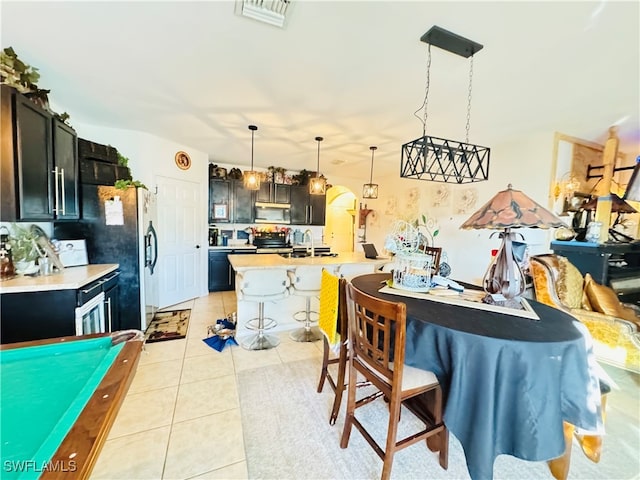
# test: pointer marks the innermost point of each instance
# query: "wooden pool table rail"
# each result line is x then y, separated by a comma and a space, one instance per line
78, 452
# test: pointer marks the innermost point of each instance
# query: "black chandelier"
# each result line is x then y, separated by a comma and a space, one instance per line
439, 159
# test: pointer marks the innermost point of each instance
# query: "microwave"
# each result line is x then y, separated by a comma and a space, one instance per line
272, 212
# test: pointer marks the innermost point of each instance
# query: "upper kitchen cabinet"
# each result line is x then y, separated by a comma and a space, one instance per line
230, 202
38, 158
65, 161
242, 208
307, 209
274, 193
219, 201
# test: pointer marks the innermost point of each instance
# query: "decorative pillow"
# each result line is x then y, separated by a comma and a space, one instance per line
541, 283
603, 299
569, 284
586, 304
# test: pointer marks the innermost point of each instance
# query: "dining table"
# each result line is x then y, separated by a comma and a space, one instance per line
508, 381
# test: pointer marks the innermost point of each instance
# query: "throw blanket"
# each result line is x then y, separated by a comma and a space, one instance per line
327, 321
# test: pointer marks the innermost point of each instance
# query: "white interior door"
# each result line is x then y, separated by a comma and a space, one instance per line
179, 238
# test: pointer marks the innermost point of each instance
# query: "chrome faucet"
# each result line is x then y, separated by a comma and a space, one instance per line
304, 237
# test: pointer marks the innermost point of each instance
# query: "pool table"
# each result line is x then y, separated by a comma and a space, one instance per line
59, 399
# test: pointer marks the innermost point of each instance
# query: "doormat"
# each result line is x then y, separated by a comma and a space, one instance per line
168, 325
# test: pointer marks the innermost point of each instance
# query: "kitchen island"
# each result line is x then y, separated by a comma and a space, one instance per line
343, 263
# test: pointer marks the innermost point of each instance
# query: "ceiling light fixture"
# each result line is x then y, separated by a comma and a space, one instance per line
438, 159
370, 190
317, 185
273, 12
251, 179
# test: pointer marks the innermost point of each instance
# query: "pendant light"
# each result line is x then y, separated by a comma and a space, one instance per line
370, 190
251, 179
317, 185
439, 159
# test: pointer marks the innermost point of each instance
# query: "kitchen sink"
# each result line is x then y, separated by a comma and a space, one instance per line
307, 254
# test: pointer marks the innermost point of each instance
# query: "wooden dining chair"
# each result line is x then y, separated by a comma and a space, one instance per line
377, 333
435, 253
337, 383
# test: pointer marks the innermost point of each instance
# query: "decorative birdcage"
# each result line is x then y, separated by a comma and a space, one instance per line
412, 271
411, 265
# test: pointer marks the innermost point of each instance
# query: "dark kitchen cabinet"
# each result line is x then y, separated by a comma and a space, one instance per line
37, 315
65, 161
30, 316
219, 194
274, 193
219, 270
111, 291
221, 275
38, 160
317, 209
307, 209
242, 205
237, 199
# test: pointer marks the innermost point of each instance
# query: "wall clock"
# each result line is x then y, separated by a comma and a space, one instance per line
183, 160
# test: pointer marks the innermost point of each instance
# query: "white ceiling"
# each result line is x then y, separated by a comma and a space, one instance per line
352, 72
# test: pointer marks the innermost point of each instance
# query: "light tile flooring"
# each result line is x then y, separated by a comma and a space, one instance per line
181, 416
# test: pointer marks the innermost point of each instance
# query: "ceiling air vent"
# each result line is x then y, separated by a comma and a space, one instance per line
273, 12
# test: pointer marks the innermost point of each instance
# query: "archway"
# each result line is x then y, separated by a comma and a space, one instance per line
340, 219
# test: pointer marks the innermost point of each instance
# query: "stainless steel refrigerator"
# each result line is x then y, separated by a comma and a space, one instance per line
119, 227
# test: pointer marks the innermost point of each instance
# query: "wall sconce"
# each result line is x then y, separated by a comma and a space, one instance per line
370, 190
566, 186
317, 185
439, 159
251, 179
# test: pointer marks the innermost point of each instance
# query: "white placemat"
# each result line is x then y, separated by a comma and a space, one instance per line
468, 298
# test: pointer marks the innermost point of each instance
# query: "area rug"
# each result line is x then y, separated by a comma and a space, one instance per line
168, 325
287, 436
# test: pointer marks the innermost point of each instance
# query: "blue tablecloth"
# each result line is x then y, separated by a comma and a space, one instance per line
508, 381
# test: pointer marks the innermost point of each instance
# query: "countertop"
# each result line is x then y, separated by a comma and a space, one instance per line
270, 260
71, 278
245, 246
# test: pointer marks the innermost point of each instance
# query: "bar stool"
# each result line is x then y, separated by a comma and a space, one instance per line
305, 282
262, 286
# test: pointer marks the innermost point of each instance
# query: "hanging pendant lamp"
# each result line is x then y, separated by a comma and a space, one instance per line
317, 185
439, 159
370, 190
251, 179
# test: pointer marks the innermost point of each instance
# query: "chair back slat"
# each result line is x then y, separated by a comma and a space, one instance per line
376, 327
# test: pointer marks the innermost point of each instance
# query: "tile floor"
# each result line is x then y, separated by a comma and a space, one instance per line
181, 416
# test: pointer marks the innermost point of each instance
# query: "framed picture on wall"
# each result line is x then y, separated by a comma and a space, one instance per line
220, 211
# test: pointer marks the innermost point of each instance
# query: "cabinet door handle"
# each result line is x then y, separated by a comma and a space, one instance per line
57, 191
108, 302
97, 285
64, 209
106, 279
230, 274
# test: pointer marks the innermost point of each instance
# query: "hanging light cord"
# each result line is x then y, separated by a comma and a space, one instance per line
253, 128
373, 149
469, 97
423, 120
318, 139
